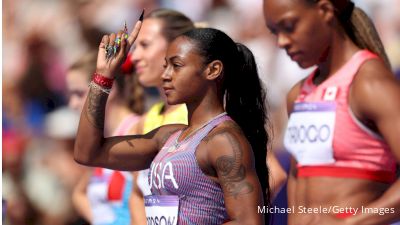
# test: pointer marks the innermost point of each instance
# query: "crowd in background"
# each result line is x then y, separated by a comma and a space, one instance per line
42, 38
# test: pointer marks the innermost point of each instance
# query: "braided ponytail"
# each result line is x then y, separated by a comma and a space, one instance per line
360, 28
363, 32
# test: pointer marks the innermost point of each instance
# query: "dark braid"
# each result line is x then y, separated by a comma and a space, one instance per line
365, 35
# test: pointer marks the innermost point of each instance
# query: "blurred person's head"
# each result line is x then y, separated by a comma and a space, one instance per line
126, 87
37, 82
307, 29
78, 78
159, 28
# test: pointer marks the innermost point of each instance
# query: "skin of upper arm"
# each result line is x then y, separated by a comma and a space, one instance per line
136, 204
277, 176
230, 155
132, 152
375, 96
79, 196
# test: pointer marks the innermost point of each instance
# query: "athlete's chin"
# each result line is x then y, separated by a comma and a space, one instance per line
305, 64
147, 80
172, 101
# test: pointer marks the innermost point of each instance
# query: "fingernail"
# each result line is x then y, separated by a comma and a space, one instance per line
141, 16
125, 28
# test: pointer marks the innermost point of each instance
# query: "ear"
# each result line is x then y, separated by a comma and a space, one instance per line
214, 70
326, 10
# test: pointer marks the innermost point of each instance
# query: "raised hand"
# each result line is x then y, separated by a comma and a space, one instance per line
107, 65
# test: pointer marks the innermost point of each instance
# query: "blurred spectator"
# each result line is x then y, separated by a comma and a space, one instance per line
35, 92
50, 171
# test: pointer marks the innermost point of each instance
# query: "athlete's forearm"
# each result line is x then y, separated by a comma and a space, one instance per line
91, 127
384, 210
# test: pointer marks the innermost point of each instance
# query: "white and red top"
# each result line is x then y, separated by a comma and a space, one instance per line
327, 139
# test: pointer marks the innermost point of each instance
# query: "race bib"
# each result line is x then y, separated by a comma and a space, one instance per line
161, 209
309, 134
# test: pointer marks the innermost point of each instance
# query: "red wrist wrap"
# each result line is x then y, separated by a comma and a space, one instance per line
102, 80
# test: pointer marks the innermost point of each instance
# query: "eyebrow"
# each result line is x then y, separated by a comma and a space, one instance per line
282, 21
289, 18
173, 57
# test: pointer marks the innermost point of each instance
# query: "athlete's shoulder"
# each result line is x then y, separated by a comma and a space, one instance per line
164, 132
374, 89
372, 76
225, 138
226, 128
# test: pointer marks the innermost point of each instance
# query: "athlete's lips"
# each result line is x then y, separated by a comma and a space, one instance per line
294, 54
167, 89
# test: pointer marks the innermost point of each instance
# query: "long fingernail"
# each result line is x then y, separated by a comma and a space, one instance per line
125, 28
141, 16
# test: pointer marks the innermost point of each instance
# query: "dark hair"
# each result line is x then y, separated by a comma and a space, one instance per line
359, 27
245, 97
174, 22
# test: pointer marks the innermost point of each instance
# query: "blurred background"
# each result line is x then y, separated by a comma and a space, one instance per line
42, 38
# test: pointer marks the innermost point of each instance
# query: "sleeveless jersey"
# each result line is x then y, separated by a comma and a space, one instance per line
177, 172
327, 139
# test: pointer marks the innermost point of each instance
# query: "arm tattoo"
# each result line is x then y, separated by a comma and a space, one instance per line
232, 172
95, 108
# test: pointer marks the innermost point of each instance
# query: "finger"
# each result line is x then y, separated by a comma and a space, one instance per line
121, 46
132, 37
124, 44
102, 46
112, 39
117, 42
110, 47
104, 42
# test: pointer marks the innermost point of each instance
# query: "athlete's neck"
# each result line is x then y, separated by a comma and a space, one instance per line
340, 51
202, 111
